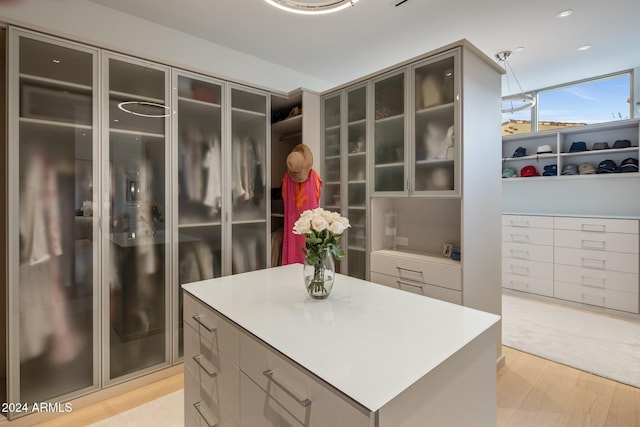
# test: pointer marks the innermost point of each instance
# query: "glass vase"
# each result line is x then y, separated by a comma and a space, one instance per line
318, 278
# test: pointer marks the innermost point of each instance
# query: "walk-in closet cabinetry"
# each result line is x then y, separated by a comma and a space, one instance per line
527, 254
564, 152
414, 129
345, 148
108, 168
588, 260
53, 269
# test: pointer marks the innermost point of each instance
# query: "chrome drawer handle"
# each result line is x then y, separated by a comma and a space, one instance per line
599, 264
302, 402
593, 244
599, 228
519, 223
211, 374
197, 406
208, 328
400, 282
519, 254
593, 282
519, 238
520, 270
408, 269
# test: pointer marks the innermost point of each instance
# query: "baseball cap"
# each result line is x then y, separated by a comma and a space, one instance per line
520, 152
587, 168
578, 146
508, 172
622, 143
528, 171
544, 149
607, 166
600, 146
550, 170
570, 169
629, 165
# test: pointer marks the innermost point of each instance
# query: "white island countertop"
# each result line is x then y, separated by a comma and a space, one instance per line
369, 341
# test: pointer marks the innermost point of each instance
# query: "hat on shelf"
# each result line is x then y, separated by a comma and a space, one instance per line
629, 165
600, 146
299, 163
520, 152
550, 170
587, 168
622, 143
528, 170
570, 169
578, 146
544, 149
607, 166
508, 172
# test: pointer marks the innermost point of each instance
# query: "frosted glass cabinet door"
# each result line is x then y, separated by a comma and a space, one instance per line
389, 133
357, 182
52, 268
135, 282
249, 165
332, 151
435, 145
199, 182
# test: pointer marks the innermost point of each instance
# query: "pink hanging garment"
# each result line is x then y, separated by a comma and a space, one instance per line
297, 197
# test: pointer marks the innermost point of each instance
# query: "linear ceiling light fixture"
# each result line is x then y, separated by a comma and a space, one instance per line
519, 101
312, 7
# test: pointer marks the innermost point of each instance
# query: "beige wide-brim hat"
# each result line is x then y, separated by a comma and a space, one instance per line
299, 163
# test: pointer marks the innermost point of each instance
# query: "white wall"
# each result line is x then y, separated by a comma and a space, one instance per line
103, 27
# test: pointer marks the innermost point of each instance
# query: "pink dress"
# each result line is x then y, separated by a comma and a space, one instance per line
298, 197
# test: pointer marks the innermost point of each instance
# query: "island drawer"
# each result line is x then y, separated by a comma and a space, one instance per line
283, 384
212, 327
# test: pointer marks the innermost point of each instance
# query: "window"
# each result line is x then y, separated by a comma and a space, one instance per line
578, 104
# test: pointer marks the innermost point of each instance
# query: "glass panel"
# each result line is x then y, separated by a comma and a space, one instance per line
136, 254
248, 180
435, 151
389, 134
357, 181
332, 174
515, 123
199, 185
56, 286
595, 101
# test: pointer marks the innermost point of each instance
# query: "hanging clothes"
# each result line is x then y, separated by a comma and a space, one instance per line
298, 197
212, 163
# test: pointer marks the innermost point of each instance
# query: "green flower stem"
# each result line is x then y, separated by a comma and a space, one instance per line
317, 283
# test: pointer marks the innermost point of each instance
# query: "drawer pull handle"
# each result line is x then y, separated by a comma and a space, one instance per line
599, 228
302, 402
410, 270
519, 223
197, 318
519, 254
598, 264
400, 283
593, 282
204, 368
520, 270
593, 244
519, 238
515, 284
197, 406
593, 300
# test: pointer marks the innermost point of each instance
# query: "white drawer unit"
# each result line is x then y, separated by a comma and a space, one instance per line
212, 378
527, 221
527, 253
597, 225
275, 392
533, 285
607, 298
597, 241
524, 251
533, 236
593, 261
431, 276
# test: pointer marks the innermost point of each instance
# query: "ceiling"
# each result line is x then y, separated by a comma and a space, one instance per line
374, 34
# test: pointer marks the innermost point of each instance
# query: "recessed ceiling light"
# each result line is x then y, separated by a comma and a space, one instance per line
55, 61
564, 13
584, 47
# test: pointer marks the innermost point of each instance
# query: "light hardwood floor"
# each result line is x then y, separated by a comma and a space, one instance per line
531, 392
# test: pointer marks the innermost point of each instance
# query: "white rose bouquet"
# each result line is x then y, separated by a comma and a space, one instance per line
323, 230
